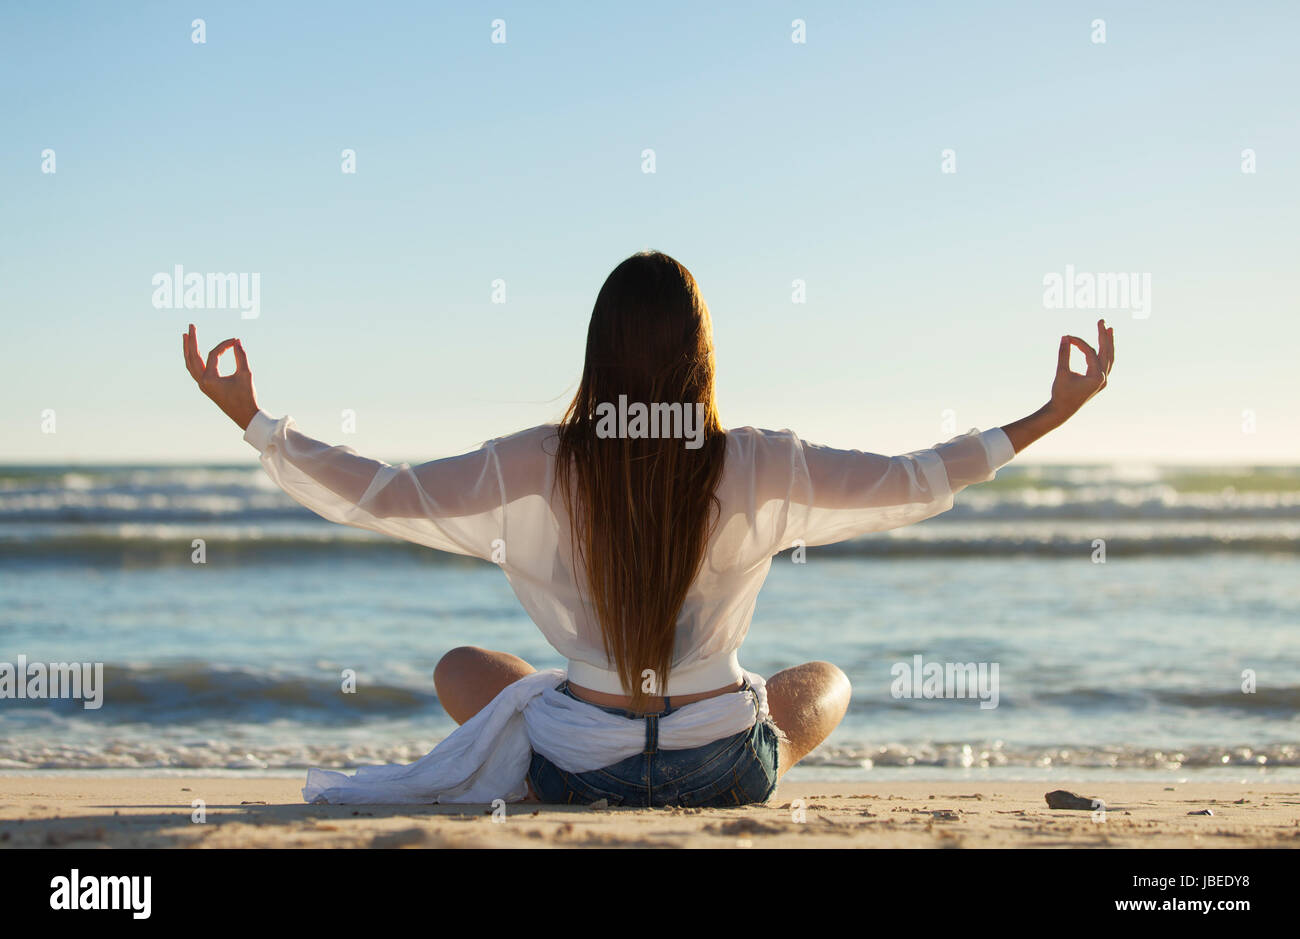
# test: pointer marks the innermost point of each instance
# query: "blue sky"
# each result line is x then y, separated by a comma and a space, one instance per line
775, 161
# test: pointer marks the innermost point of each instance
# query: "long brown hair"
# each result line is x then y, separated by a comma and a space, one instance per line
642, 509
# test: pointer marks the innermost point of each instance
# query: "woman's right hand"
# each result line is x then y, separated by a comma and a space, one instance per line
232, 393
1070, 390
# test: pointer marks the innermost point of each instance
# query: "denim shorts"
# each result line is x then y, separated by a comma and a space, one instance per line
736, 770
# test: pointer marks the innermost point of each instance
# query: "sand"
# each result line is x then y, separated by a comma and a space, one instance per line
82, 812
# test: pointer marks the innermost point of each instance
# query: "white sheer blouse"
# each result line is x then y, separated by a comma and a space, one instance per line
497, 503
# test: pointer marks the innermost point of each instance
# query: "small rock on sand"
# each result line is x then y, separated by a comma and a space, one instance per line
1062, 799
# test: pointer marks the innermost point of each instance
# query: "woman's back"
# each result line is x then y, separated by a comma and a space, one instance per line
775, 492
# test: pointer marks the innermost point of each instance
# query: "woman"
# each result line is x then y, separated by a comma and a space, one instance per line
636, 533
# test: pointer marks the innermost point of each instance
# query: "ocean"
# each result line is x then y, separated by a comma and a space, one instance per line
1140, 622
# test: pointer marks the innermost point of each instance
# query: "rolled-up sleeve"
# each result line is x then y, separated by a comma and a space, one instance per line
259, 430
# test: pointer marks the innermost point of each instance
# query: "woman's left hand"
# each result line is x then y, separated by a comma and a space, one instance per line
1070, 390
232, 393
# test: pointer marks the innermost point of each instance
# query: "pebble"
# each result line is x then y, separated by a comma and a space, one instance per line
1062, 799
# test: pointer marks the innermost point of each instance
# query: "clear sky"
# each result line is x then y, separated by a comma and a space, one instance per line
775, 161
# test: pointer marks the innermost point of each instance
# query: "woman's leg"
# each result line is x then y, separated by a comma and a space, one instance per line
807, 702
467, 679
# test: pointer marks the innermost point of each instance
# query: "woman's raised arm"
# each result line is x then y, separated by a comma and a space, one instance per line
818, 495
456, 504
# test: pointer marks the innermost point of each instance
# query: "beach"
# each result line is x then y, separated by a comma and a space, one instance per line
1160, 678
156, 812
